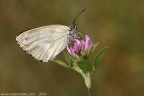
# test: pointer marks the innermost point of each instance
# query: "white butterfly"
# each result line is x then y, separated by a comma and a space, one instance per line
45, 43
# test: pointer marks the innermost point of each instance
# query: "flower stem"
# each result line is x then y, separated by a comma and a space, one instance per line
87, 78
89, 92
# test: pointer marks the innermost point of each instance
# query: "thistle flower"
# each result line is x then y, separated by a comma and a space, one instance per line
80, 46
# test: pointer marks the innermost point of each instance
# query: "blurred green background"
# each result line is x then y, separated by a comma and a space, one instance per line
118, 24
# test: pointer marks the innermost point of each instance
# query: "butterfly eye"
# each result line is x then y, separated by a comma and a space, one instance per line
73, 27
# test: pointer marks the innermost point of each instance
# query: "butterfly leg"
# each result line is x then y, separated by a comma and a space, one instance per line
79, 35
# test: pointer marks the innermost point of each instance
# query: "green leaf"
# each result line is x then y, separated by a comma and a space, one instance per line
93, 48
98, 57
60, 63
85, 66
67, 58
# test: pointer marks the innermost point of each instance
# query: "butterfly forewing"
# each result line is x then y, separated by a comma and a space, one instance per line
44, 43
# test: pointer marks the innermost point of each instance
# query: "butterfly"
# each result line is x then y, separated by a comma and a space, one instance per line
46, 42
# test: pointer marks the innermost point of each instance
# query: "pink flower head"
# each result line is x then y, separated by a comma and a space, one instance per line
79, 46
88, 44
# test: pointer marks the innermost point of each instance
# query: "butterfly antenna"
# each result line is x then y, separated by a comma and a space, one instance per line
77, 15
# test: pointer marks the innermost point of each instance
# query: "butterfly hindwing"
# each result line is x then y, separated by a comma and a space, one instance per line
44, 43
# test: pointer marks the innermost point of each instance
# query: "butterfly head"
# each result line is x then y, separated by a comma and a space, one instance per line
72, 31
73, 27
